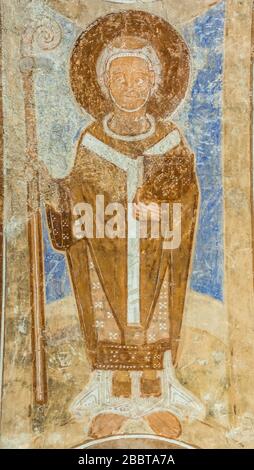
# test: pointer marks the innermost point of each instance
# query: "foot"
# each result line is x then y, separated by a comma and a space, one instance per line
150, 385
105, 424
164, 424
121, 384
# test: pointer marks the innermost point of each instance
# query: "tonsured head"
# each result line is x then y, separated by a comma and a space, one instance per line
129, 72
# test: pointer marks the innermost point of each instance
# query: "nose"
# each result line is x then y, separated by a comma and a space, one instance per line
130, 86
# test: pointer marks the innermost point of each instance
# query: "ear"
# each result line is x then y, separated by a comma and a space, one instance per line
152, 77
106, 79
107, 83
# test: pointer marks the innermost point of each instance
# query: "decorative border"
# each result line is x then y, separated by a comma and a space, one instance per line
1, 155
252, 132
2, 264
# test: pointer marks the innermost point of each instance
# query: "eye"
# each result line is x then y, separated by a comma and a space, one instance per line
119, 79
140, 81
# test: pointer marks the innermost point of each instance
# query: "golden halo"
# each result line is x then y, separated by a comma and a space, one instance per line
166, 41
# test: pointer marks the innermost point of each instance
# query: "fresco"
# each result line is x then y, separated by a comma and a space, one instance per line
121, 274
205, 39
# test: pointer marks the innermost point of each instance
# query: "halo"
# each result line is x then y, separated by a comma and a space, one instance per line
170, 47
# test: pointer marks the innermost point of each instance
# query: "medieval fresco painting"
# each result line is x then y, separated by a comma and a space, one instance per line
127, 314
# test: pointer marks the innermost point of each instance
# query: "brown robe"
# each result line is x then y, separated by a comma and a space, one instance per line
98, 266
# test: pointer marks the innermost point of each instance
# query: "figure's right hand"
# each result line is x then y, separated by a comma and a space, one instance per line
34, 169
37, 172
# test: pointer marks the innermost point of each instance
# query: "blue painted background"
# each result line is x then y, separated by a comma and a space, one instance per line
201, 120
59, 125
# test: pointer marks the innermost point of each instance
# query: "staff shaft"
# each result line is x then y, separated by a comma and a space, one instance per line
35, 239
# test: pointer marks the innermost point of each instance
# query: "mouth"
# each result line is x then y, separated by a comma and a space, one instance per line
130, 97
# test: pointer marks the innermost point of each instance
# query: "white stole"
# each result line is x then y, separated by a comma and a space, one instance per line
134, 169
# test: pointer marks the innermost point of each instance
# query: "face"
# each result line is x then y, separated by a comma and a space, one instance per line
130, 82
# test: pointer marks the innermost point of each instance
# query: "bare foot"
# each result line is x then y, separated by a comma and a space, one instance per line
150, 384
164, 424
105, 424
121, 384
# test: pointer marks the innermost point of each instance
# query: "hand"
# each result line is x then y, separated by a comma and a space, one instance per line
37, 171
146, 211
35, 168
143, 209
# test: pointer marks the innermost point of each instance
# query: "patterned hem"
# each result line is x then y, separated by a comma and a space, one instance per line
126, 357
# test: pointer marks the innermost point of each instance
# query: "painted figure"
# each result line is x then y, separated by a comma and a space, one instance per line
129, 71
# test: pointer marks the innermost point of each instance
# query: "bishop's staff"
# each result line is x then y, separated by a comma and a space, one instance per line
44, 35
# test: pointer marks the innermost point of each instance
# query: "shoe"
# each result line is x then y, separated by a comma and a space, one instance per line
164, 424
105, 424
